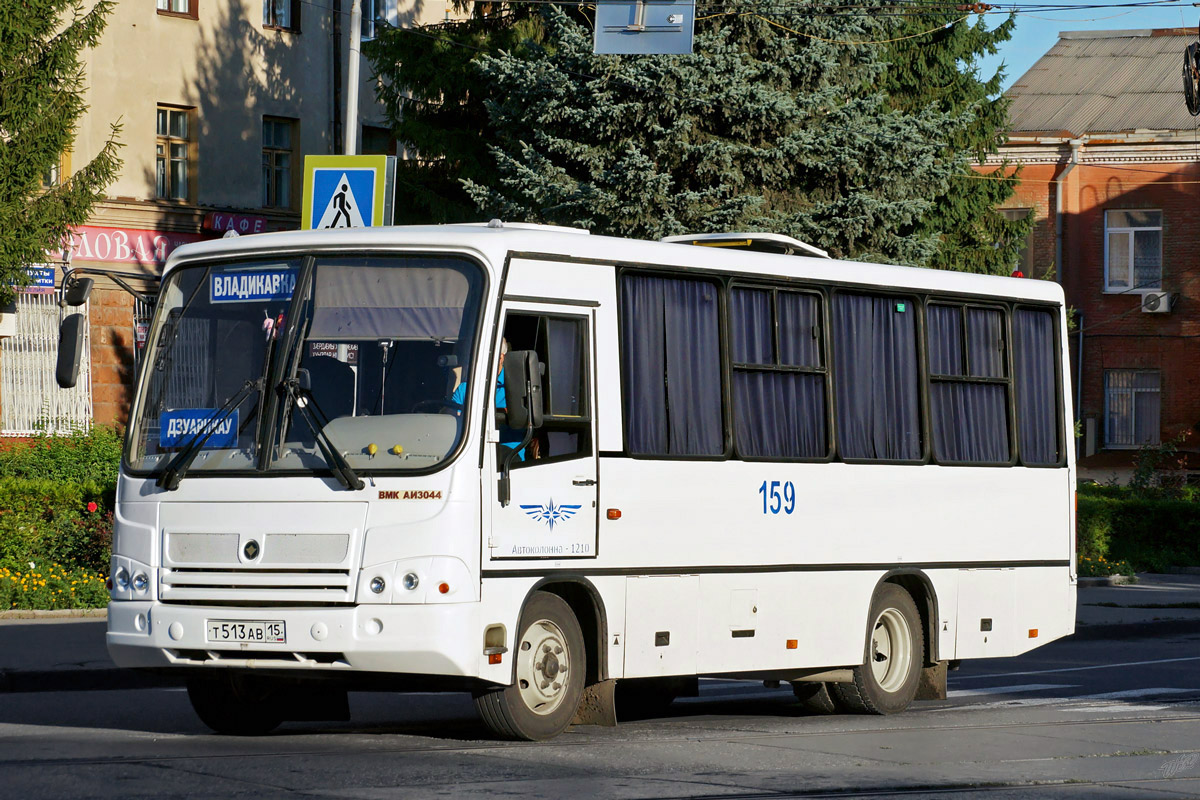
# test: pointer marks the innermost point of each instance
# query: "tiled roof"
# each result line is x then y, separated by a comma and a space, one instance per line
1093, 82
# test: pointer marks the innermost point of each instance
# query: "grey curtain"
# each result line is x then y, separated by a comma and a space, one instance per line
969, 421
777, 413
671, 366
388, 302
565, 357
875, 377
1036, 386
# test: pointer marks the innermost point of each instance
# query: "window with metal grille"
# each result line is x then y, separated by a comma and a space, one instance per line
172, 156
1132, 406
1132, 250
30, 400
277, 162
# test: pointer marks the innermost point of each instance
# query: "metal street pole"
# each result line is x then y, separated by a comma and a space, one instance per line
352, 78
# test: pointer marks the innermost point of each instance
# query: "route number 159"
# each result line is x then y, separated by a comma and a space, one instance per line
774, 500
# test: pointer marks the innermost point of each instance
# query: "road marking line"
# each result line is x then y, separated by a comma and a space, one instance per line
1074, 669
1022, 688
1075, 700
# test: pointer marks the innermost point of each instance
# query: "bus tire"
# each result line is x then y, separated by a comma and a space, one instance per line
887, 683
235, 705
542, 702
817, 697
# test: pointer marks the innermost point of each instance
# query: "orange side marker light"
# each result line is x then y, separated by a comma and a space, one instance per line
1033, 633
614, 513
495, 658
792, 644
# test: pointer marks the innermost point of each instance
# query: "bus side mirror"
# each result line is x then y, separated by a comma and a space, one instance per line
70, 349
77, 291
523, 389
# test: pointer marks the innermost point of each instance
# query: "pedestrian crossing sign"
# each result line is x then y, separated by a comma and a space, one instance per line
347, 191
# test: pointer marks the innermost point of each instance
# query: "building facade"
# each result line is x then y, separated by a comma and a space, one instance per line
1109, 166
217, 103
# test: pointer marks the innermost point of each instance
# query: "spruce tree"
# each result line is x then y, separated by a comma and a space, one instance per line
41, 101
779, 121
934, 60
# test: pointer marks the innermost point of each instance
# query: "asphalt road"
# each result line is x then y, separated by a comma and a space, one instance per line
1076, 719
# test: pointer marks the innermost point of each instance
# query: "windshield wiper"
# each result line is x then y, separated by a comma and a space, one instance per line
302, 399
175, 470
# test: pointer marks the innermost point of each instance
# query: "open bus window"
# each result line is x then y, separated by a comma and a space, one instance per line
561, 346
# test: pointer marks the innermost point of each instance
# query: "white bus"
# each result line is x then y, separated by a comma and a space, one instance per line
697, 461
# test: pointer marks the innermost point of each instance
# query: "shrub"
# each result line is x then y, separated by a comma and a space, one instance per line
79, 457
1152, 529
48, 521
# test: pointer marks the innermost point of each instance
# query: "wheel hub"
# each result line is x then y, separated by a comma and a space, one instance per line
542, 666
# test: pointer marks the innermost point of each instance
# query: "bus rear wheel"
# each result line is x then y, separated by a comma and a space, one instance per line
235, 705
550, 667
887, 682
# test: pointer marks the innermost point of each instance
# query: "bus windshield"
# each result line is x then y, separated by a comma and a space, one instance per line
367, 365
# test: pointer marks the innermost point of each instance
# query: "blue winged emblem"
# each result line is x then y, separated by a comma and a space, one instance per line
551, 514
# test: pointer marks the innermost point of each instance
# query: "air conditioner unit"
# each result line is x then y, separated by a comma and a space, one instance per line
1156, 302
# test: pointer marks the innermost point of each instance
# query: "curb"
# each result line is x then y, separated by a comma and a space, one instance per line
1107, 580
1183, 571
1137, 630
59, 613
83, 680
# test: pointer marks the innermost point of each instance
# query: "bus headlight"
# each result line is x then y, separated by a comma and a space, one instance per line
121, 579
411, 581
140, 583
378, 585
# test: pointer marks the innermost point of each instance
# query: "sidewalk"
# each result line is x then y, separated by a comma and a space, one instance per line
68, 654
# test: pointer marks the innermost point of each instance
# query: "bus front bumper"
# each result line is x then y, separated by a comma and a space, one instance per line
442, 639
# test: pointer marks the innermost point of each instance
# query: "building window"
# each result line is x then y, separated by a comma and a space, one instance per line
277, 162
172, 154
374, 12
1132, 404
1132, 251
32, 402
181, 8
282, 14
377, 141
1024, 261
779, 381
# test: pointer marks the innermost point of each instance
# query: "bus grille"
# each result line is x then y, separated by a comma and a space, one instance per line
257, 586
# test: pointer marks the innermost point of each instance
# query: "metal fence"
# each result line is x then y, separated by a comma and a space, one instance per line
30, 399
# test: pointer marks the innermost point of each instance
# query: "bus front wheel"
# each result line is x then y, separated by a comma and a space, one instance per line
550, 667
887, 682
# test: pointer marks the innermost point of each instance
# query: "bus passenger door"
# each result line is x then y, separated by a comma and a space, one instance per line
553, 481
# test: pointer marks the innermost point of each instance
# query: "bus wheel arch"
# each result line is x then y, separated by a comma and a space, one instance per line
580, 594
920, 588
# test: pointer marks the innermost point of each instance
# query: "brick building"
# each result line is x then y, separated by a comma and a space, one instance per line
1110, 169
219, 103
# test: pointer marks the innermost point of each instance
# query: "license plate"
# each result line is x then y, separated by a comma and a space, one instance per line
233, 630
